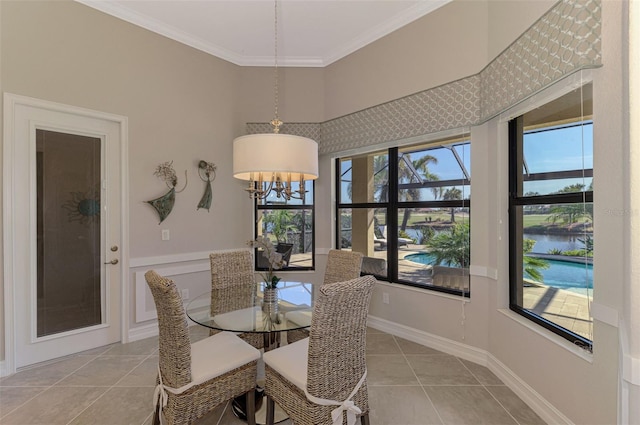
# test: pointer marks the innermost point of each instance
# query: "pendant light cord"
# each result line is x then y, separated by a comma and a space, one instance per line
276, 121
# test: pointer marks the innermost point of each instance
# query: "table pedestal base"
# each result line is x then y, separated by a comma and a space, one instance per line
238, 409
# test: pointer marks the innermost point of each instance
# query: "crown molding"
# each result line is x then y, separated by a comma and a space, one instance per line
153, 25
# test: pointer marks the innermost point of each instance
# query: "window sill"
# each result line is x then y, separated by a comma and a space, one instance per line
426, 291
550, 336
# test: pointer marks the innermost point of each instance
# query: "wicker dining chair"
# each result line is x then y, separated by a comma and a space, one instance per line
341, 266
233, 287
195, 378
311, 378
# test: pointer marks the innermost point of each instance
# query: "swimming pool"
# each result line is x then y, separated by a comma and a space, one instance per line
575, 277
567, 275
421, 258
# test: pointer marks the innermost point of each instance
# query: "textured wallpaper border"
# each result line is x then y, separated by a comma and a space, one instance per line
564, 40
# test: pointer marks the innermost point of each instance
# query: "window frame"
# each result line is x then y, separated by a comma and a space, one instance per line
393, 205
260, 206
516, 230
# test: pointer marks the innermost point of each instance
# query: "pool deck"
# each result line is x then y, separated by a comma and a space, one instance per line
565, 308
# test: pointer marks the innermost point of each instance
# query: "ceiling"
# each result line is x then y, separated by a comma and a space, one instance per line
310, 33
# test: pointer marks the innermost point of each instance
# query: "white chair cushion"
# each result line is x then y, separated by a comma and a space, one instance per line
300, 317
219, 354
290, 361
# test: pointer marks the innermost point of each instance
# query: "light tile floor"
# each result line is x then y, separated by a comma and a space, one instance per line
113, 385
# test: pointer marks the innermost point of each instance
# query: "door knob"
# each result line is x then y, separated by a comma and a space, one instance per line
114, 261
114, 248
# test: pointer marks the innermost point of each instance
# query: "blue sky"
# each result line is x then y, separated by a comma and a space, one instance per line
560, 149
556, 149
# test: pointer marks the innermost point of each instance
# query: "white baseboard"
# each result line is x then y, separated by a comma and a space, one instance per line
142, 332
538, 404
436, 342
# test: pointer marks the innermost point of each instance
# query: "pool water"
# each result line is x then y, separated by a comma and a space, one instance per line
421, 258
575, 277
570, 276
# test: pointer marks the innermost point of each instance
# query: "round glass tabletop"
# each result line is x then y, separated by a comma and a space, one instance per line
292, 311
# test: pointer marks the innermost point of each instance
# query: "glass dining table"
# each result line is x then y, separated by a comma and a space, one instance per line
292, 312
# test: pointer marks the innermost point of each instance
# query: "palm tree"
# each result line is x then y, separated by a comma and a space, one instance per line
381, 177
278, 222
451, 247
570, 214
532, 265
452, 194
414, 171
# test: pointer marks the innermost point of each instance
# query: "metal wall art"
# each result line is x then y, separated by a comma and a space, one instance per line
83, 207
164, 204
207, 173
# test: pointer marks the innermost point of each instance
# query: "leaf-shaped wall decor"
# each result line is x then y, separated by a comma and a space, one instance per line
207, 173
164, 204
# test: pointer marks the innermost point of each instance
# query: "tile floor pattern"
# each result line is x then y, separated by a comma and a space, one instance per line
113, 385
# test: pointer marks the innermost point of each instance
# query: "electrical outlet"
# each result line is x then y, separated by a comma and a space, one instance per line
385, 298
185, 294
165, 234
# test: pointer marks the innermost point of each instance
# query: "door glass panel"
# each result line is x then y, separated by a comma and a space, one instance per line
69, 289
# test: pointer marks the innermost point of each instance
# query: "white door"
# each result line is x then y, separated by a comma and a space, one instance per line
65, 214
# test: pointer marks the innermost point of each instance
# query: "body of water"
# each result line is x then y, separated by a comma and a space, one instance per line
421, 258
574, 277
545, 243
570, 276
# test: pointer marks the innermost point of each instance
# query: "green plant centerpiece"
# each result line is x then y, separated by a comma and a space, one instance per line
274, 258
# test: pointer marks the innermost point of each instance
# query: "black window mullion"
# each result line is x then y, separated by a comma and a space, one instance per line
556, 198
392, 217
392, 207
518, 201
455, 203
516, 135
258, 206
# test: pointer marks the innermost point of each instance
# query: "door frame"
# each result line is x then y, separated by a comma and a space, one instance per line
10, 214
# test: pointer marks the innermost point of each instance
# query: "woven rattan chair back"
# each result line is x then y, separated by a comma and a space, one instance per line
180, 398
233, 286
337, 340
174, 343
342, 265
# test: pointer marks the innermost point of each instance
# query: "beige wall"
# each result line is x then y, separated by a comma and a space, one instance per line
439, 48
181, 105
300, 94
583, 390
507, 20
184, 105
455, 41
2, 344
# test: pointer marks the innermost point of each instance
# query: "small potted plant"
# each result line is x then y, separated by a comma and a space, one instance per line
274, 260
270, 290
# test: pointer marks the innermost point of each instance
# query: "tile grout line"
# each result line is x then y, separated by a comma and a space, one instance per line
501, 405
17, 407
47, 387
108, 387
490, 393
404, 355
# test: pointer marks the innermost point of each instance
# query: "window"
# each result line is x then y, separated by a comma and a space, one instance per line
290, 226
551, 215
407, 210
